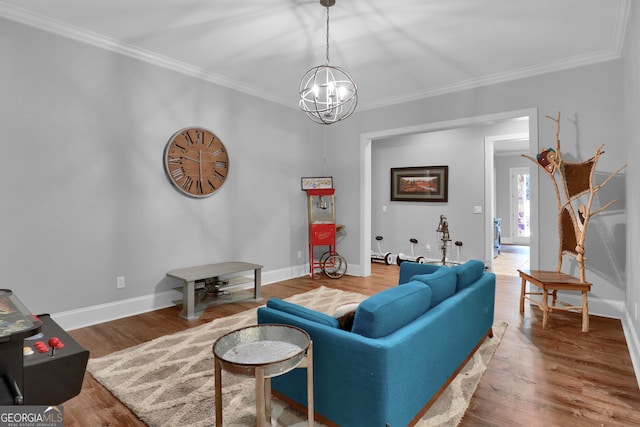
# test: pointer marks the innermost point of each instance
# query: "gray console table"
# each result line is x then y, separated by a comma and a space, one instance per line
190, 275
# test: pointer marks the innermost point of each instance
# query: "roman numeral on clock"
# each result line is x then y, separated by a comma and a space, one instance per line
187, 183
211, 141
177, 173
179, 147
187, 137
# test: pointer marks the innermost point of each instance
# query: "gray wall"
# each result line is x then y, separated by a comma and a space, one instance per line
85, 195
631, 104
590, 99
462, 150
86, 198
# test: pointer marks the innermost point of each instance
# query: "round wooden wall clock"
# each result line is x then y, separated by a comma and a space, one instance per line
196, 162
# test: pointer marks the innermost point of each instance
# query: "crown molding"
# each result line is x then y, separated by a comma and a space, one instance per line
615, 53
536, 70
83, 36
65, 30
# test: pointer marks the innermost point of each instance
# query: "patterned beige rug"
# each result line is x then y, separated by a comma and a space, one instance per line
169, 381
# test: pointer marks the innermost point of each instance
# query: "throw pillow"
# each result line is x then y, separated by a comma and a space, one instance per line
345, 315
303, 312
442, 283
468, 273
391, 309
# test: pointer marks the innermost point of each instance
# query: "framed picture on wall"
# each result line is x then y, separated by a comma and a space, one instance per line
420, 184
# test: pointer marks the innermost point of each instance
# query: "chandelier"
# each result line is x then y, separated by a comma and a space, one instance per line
328, 94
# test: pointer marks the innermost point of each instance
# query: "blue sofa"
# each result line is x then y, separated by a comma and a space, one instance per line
405, 346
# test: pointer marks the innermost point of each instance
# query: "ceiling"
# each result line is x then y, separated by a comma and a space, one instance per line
395, 51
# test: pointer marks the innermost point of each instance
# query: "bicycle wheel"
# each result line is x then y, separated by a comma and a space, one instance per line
324, 257
335, 266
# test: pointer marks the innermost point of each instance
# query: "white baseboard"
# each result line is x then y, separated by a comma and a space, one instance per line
631, 335
83, 317
597, 306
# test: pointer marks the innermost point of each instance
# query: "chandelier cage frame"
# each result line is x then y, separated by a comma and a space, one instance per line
328, 94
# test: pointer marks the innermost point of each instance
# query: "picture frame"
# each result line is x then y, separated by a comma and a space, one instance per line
420, 184
315, 182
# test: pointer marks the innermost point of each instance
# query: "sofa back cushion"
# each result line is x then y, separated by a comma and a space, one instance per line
468, 273
391, 309
442, 283
408, 269
303, 312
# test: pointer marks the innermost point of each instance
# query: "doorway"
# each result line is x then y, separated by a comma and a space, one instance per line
365, 175
520, 205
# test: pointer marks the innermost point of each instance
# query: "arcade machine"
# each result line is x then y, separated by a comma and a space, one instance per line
40, 364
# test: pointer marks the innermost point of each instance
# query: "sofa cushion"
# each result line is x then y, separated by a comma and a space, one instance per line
409, 269
442, 283
391, 309
303, 312
468, 273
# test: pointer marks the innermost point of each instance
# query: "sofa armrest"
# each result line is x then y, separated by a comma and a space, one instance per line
303, 312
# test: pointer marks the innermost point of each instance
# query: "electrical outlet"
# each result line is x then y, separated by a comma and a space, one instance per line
299, 254
120, 282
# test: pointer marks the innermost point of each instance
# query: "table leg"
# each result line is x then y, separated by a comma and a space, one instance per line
188, 301
585, 312
218, 392
267, 399
260, 402
545, 308
257, 283
310, 409
522, 293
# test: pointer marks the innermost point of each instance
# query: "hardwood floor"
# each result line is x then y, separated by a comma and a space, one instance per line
554, 377
511, 258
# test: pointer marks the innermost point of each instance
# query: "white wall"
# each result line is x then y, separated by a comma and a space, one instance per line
85, 195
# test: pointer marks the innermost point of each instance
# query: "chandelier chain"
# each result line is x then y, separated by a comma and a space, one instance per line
327, 53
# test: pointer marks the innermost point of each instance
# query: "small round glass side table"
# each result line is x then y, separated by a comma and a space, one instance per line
263, 351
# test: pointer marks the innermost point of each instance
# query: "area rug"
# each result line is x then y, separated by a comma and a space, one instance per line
169, 381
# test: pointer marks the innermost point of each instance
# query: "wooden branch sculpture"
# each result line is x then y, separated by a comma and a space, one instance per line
576, 180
